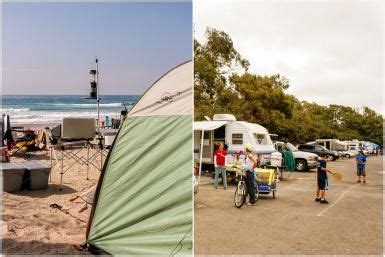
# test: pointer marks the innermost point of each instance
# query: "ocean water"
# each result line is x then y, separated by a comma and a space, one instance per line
27, 109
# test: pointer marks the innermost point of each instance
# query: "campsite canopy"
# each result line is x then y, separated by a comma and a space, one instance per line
143, 201
208, 125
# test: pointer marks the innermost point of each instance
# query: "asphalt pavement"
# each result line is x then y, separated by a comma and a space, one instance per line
293, 223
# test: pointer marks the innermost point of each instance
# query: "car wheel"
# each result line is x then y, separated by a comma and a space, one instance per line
347, 156
301, 165
329, 157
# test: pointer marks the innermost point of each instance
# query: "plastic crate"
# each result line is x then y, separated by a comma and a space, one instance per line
12, 176
37, 173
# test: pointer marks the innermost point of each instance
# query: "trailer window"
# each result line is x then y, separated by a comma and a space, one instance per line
237, 139
262, 139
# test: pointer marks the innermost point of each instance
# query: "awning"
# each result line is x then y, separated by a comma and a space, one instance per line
374, 145
208, 125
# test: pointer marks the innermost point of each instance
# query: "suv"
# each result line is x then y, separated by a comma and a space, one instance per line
303, 160
319, 150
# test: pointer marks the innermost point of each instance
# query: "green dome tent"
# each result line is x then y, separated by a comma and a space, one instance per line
143, 201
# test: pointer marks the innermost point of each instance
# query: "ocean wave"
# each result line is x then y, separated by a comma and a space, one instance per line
40, 117
7, 110
90, 105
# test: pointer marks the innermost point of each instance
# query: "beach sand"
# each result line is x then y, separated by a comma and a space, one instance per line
31, 226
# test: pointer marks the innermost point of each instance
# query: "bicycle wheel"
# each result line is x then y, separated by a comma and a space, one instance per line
240, 194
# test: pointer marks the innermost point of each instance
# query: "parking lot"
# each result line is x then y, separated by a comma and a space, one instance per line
293, 223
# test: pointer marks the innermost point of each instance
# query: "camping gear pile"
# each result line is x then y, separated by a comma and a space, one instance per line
20, 140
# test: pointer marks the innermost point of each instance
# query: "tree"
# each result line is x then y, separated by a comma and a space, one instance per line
223, 84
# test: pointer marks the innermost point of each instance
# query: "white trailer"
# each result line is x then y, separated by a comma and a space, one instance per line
234, 134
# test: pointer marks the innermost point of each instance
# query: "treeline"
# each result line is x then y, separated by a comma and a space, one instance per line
223, 84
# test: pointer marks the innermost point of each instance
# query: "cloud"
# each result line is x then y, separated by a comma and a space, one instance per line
332, 52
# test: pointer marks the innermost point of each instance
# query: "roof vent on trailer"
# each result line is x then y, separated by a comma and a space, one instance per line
224, 117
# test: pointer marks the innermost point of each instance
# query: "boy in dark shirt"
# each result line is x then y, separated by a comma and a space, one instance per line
322, 181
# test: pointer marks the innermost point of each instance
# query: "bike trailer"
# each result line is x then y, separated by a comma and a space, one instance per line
266, 175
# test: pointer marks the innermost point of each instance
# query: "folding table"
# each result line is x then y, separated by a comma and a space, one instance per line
69, 151
72, 151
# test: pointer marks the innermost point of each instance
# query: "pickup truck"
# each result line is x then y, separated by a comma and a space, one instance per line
303, 160
320, 151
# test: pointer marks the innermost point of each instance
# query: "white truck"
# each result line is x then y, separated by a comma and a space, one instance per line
224, 128
303, 160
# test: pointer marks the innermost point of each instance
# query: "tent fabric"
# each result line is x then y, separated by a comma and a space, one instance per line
88, 196
172, 94
208, 125
145, 199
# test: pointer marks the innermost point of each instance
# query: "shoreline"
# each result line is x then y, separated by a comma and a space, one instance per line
34, 126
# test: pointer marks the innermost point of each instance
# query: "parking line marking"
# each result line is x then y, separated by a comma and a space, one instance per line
338, 199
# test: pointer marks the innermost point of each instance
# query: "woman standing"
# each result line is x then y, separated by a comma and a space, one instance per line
251, 163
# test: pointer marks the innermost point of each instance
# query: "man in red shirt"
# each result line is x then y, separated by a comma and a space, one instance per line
220, 157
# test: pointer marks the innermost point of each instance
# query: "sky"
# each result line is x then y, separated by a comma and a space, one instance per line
49, 48
331, 51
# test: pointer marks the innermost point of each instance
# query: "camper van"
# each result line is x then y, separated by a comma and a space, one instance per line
331, 144
361, 145
224, 128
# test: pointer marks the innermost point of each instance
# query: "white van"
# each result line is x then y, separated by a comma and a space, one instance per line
234, 134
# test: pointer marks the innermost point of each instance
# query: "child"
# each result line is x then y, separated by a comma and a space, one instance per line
322, 181
361, 160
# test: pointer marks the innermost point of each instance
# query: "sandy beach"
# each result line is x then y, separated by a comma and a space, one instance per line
31, 226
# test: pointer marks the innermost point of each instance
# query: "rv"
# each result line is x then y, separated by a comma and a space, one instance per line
331, 144
224, 128
361, 145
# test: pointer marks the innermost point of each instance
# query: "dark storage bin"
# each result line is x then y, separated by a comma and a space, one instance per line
38, 174
12, 176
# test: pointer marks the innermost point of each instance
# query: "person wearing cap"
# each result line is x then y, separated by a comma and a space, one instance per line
322, 180
220, 157
251, 163
361, 161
